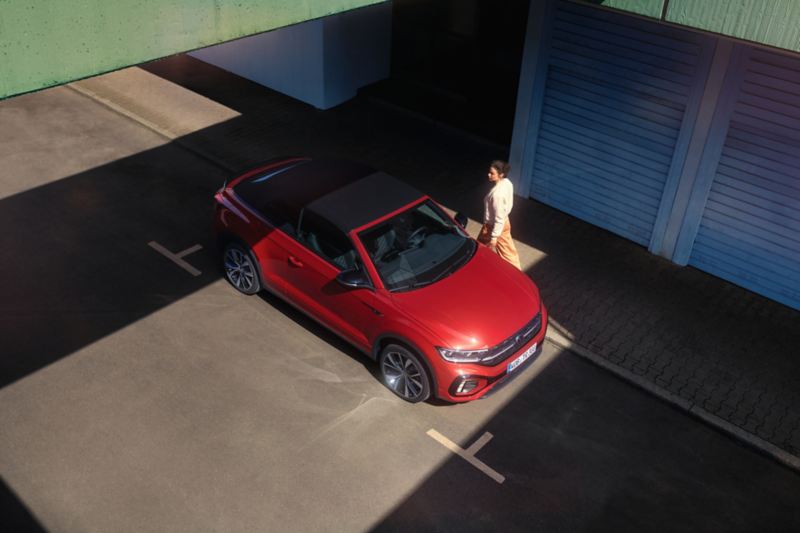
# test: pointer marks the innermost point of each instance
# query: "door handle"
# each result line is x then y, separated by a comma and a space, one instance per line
375, 311
295, 261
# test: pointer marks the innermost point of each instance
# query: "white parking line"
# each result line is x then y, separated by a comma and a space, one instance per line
178, 258
469, 453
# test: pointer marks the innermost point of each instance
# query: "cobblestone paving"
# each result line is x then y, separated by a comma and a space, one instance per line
720, 347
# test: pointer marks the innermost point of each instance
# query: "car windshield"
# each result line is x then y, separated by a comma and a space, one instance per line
417, 247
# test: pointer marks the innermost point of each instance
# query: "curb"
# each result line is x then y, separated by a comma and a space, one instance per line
556, 338
88, 93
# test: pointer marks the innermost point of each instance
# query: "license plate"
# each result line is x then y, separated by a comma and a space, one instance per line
521, 359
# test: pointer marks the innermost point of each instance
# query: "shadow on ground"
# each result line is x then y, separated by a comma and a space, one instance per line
16, 516
584, 452
77, 266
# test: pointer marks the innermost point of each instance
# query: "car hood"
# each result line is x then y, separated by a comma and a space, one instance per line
478, 306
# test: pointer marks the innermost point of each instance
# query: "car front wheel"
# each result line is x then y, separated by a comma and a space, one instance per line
404, 373
240, 269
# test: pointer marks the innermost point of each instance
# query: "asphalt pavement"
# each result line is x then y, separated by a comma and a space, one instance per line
141, 395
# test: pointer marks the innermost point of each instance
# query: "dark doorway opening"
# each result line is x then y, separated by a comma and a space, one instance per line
458, 62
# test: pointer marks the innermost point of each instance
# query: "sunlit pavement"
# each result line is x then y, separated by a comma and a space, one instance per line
138, 396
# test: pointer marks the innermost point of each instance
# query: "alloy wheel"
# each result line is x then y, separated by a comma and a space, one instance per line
239, 269
402, 375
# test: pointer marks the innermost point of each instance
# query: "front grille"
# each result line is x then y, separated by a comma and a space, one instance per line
511, 345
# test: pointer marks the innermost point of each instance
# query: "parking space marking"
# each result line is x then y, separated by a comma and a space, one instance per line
469, 454
178, 258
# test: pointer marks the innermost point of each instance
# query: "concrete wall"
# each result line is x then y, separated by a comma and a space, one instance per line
322, 62
289, 60
49, 42
648, 8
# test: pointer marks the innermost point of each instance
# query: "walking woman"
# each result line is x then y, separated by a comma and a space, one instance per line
496, 230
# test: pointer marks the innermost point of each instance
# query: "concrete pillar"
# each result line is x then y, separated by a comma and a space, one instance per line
322, 62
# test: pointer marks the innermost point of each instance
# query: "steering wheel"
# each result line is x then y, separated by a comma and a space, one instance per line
417, 237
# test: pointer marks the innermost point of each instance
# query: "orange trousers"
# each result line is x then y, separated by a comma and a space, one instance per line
505, 244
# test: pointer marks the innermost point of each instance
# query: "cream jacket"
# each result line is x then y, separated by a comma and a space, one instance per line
497, 205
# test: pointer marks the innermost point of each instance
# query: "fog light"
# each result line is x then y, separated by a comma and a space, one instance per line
466, 385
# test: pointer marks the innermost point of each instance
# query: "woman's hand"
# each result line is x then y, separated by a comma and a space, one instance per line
493, 245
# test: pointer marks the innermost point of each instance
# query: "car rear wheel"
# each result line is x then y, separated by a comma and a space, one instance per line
240, 269
404, 373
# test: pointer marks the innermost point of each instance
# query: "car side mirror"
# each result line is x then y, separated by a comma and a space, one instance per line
353, 279
462, 220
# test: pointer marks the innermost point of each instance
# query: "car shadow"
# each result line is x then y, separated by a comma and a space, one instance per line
320, 331
335, 341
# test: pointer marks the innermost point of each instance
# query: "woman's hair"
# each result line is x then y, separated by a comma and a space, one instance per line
501, 167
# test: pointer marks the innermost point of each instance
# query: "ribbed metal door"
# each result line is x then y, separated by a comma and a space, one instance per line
750, 229
616, 93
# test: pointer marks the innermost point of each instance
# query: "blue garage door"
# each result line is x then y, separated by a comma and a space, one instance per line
615, 98
750, 230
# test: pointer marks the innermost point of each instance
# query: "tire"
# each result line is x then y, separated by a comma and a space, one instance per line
240, 269
404, 373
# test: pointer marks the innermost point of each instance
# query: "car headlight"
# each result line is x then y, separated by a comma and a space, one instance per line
494, 354
463, 356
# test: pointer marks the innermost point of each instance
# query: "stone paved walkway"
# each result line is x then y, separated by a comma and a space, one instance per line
715, 349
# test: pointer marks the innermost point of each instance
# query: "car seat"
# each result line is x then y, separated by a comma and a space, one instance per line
384, 243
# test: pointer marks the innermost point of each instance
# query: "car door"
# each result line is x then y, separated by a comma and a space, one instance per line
322, 252
276, 251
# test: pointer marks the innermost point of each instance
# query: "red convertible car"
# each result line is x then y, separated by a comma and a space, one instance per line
386, 268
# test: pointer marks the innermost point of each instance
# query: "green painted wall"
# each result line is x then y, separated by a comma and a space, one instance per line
648, 8
773, 22
48, 42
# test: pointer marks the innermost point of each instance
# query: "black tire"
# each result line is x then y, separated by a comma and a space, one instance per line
240, 269
404, 373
